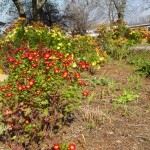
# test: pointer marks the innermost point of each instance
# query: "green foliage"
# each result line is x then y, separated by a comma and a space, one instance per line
3, 128
145, 68
117, 41
102, 81
135, 81
140, 60
82, 48
127, 96
42, 88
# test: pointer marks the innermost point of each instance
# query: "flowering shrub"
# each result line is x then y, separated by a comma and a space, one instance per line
43, 87
44, 84
86, 49
83, 48
137, 35
112, 41
116, 41
148, 38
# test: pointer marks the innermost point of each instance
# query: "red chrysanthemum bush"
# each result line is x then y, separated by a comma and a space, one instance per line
44, 86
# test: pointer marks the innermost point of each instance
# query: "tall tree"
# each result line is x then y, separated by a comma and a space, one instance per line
108, 9
37, 9
20, 8
120, 6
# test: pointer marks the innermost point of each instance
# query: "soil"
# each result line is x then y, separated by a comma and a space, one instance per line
102, 125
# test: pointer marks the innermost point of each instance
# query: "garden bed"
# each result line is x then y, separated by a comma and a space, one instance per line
99, 123
74, 93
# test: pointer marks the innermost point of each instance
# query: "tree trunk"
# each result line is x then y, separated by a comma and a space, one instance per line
120, 8
20, 8
37, 9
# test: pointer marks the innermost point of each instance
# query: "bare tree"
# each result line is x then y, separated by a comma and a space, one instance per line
81, 15
49, 12
114, 9
108, 9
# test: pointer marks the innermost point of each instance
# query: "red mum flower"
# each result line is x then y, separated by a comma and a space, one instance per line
83, 65
31, 82
9, 59
28, 86
77, 75
71, 147
19, 88
65, 73
56, 147
56, 70
47, 55
85, 93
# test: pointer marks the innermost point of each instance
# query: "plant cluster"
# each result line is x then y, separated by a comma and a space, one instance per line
84, 48
127, 96
148, 38
64, 147
117, 41
140, 60
43, 87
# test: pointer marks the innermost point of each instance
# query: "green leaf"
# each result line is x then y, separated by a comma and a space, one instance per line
45, 102
27, 111
45, 112
90, 98
13, 138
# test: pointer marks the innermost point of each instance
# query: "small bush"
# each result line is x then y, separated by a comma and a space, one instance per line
145, 68
42, 89
116, 41
140, 60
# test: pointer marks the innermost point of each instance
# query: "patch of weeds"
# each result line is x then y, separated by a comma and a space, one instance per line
126, 96
102, 81
140, 61
110, 59
91, 125
91, 97
145, 68
124, 108
94, 115
135, 82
